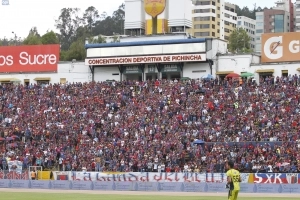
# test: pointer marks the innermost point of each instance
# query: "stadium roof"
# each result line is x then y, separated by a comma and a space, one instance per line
143, 43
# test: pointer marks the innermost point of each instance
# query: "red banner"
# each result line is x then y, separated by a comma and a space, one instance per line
34, 58
14, 175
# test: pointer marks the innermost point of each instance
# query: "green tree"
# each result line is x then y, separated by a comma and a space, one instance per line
50, 38
239, 41
77, 51
97, 40
119, 19
67, 24
111, 25
91, 16
33, 37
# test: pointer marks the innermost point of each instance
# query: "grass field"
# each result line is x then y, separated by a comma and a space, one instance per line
75, 196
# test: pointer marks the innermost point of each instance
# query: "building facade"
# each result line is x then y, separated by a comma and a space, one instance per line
276, 20
212, 18
164, 58
248, 25
297, 16
146, 17
279, 58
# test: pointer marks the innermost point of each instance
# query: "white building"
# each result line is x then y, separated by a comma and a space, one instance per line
67, 72
164, 57
248, 25
251, 63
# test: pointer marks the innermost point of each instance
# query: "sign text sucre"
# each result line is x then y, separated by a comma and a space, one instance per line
146, 59
25, 58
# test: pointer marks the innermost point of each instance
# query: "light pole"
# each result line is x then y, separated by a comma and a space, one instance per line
15, 37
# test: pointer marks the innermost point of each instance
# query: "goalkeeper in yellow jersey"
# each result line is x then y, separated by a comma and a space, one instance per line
233, 181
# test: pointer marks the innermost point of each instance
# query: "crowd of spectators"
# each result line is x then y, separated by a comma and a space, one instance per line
152, 125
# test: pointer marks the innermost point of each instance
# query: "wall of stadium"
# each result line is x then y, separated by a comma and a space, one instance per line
66, 72
226, 64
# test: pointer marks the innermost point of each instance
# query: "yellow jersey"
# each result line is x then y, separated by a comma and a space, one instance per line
235, 178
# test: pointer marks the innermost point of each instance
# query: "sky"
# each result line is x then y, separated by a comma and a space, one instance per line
21, 15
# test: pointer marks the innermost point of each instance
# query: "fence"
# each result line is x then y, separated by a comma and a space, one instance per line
262, 178
147, 186
180, 182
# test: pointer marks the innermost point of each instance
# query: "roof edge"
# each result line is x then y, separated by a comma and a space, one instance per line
141, 43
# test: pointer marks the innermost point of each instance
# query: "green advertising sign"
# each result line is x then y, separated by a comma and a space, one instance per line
132, 70
170, 68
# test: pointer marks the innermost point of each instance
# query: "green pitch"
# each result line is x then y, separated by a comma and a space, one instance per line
74, 196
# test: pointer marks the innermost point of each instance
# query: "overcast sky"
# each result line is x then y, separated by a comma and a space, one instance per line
21, 15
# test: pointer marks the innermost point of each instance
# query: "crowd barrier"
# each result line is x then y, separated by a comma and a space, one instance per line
273, 178
147, 186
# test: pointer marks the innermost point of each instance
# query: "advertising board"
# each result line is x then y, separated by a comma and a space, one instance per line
33, 58
280, 47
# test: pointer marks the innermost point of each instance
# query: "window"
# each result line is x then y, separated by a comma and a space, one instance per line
218, 15
63, 80
258, 47
226, 30
213, 18
279, 23
218, 31
201, 10
201, 18
213, 34
218, 23
204, 3
259, 17
227, 15
213, 11
218, 8
259, 31
257, 38
226, 37
227, 23
213, 26
259, 23
199, 34
199, 26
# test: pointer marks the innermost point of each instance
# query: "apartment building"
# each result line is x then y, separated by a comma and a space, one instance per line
276, 20
248, 25
213, 18
297, 16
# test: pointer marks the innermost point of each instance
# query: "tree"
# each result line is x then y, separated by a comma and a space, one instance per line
67, 24
90, 16
50, 38
9, 42
239, 41
119, 19
97, 40
33, 37
111, 25
77, 51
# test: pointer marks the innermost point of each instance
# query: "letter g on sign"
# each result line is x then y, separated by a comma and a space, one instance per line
271, 50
